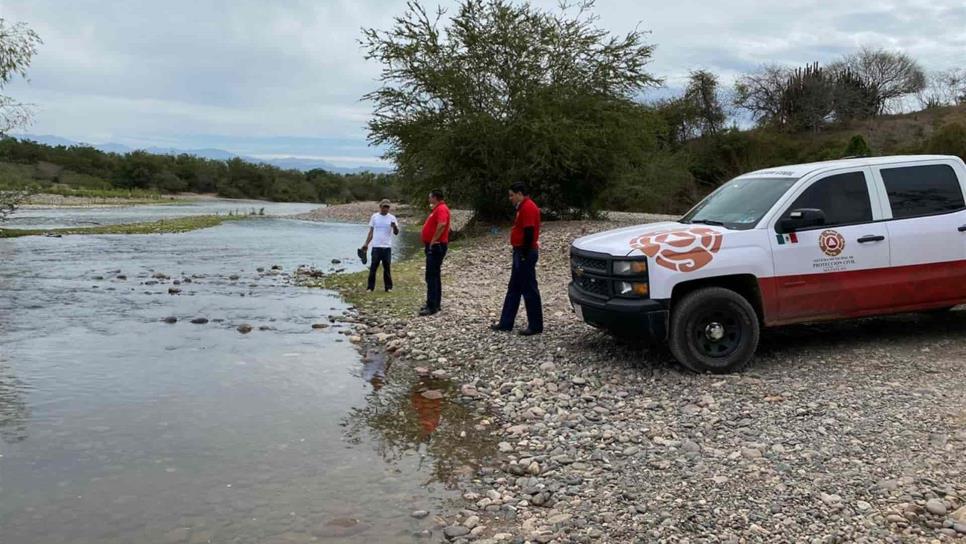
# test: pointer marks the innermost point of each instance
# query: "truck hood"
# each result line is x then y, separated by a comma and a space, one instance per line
617, 242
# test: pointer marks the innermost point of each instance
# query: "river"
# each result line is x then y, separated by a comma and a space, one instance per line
116, 426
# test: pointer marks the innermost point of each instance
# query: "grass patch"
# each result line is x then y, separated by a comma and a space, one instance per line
408, 292
180, 224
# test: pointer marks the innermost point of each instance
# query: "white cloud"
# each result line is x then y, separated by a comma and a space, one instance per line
160, 72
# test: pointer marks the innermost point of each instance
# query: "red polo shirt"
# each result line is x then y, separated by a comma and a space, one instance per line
440, 214
528, 215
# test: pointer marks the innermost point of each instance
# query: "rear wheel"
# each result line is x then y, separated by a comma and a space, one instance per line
714, 330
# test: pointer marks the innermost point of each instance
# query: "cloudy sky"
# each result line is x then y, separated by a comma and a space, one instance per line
284, 78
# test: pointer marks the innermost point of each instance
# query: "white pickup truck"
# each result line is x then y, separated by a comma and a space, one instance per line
809, 242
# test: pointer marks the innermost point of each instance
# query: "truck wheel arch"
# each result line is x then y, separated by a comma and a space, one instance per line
745, 285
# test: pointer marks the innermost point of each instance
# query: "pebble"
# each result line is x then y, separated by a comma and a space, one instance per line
455, 531
419, 514
936, 507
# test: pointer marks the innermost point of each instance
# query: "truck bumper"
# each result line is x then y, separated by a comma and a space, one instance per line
625, 317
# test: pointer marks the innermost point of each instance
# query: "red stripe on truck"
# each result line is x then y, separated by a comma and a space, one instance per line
860, 293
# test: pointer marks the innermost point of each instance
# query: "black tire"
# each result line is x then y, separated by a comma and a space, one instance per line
714, 330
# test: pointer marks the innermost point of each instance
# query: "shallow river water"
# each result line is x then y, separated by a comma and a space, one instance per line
118, 427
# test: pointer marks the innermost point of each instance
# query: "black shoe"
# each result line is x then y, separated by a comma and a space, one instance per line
529, 332
497, 327
428, 311
362, 255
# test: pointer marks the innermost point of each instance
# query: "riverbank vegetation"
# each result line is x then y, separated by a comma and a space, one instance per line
407, 295
83, 170
504, 91
163, 226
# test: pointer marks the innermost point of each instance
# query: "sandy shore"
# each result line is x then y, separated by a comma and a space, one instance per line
838, 432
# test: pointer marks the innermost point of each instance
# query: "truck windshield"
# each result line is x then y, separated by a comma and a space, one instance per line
740, 203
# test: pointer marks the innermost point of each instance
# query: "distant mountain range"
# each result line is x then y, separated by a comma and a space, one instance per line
288, 163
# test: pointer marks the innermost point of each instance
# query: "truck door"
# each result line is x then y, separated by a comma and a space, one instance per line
837, 269
926, 212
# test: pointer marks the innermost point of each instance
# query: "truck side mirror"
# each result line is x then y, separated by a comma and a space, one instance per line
801, 219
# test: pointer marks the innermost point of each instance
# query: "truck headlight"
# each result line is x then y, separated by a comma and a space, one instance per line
630, 268
626, 288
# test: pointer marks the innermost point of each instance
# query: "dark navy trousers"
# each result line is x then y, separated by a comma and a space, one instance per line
523, 283
434, 281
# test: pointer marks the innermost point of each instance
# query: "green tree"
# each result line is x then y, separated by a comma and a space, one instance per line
702, 94
505, 92
889, 75
18, 45
857, 147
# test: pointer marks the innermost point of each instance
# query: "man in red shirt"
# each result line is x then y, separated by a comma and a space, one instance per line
435, 240
525, 239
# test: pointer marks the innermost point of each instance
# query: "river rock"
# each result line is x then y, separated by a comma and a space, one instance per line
936, 507
320, 325
199, 320
432, 394
174, 291
419, 514
170, 320
244, 328
339, 528
455, 531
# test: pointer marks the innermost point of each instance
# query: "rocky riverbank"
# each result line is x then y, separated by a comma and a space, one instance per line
849, 432
47, 200
360, 212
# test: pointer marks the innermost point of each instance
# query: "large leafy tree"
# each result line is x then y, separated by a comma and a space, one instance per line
18, 45
890, 75
502, 92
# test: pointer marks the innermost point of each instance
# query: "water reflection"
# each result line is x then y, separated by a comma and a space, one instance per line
409, 414
119, 427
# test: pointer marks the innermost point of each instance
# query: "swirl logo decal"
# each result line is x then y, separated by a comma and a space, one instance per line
831, 243
681, 250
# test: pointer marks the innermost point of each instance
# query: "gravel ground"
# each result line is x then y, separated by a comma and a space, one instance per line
843, 432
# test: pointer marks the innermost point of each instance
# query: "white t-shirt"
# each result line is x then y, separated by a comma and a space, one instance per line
382, 229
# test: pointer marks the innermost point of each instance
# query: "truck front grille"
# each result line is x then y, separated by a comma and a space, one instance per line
588, 263
590, 284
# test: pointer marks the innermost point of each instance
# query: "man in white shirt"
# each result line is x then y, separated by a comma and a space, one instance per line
382, 227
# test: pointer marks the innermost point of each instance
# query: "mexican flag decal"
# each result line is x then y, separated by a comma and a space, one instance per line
787, 239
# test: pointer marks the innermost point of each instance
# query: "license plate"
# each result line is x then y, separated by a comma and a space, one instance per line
579, 311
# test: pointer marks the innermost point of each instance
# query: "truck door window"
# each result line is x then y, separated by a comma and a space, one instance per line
843, 197
915, 191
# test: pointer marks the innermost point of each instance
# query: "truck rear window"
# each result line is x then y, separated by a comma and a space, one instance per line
916, 191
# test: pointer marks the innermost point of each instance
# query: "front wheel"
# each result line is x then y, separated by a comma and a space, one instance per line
714, 330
